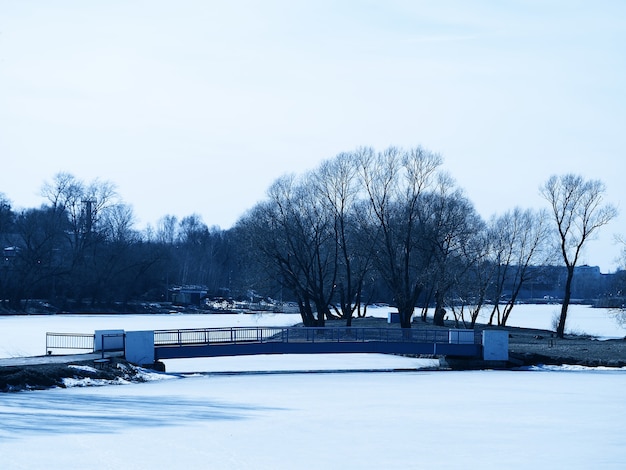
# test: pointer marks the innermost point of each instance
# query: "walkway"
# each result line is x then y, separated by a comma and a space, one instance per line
39, 360
213, 342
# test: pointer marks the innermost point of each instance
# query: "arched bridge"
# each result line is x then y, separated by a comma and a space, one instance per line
211, 342
148, 347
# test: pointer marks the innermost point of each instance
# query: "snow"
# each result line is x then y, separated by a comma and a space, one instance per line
581, 319
401, 420
89, 382
142, 374
26, 335
274, 417
85, 368
299, 363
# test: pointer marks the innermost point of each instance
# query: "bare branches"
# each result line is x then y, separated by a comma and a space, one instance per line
579, 211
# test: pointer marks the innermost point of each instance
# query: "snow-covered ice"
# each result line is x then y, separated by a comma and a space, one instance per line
556, 419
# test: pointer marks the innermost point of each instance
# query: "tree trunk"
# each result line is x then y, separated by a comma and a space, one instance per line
322, 310
426, 304
440, 312
405, 312
438, 318
560, 331
308, 319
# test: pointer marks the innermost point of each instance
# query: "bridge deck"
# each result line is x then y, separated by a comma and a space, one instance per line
210, 342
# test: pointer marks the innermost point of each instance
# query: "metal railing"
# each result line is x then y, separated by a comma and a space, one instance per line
207, 336
87, 342
69, 341
218, 336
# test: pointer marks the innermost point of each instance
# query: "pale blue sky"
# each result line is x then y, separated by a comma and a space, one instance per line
197, 106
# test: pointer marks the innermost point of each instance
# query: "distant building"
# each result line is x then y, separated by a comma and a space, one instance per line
188, 295
9, 253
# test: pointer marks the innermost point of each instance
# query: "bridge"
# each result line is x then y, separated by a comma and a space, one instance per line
212, 342
149, 347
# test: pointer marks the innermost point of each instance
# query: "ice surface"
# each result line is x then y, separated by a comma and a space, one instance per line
26, 335
487, 420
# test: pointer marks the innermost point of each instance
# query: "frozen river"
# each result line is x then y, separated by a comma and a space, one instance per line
559, 418
546, 418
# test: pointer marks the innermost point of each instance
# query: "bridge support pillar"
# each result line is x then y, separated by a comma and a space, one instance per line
495, 345
140, 347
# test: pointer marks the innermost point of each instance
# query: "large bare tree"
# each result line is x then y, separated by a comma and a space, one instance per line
336, 185
295, 231
579, 210
395, 182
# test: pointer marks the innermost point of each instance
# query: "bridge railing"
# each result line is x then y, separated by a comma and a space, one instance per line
217, 335
207, 336
69, 341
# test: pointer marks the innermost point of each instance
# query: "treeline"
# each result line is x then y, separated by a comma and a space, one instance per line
364, 227
80, 251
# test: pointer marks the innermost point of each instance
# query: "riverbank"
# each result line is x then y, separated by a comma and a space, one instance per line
532, 347
15, 378
528, 346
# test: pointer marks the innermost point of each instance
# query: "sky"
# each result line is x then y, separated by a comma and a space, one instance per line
196, 107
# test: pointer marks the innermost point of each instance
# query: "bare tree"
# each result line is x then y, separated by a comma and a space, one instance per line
521, 239
36, 263
578, 210
117, 223
7, 220
337, 187
311, 234
81, 209
6, 215
395, 182
166, 229
472, 286
81, 204
295, 232
450, 226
